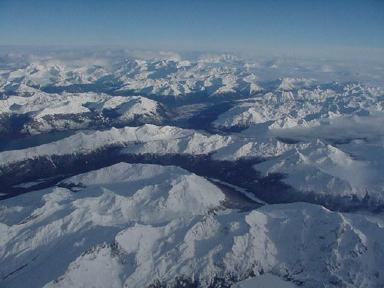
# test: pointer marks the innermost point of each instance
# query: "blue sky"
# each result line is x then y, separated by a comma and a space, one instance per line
241, 25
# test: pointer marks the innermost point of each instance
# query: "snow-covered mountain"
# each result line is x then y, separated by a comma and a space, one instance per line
322, 171
152, 139
93, 208
331, 249
326, 170
141, 225
154, 77
43, 112
161, 170
302, 106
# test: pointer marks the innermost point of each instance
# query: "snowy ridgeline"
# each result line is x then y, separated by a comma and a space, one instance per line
43, 113
174, 75
137, 225
310, 166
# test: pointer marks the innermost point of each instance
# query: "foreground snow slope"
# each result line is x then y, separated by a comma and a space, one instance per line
137, 225
303, 243
43, 231
306, 244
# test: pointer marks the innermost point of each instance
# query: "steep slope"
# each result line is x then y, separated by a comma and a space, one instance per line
288, 106
42, 232
141, 225
303, 243
327, 171
246, 133
51, 72
43, 112
159, 77
313, 171
153, 140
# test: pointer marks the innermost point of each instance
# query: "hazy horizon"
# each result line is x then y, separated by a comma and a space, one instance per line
342, 28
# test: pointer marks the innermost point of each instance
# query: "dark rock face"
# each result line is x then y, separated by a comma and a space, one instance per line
12, 124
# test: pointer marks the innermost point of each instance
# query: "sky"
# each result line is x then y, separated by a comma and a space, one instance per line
291, 26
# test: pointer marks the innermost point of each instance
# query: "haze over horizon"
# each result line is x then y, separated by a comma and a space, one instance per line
325, 28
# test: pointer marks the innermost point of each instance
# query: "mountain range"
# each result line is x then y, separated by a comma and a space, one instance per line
171, 171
